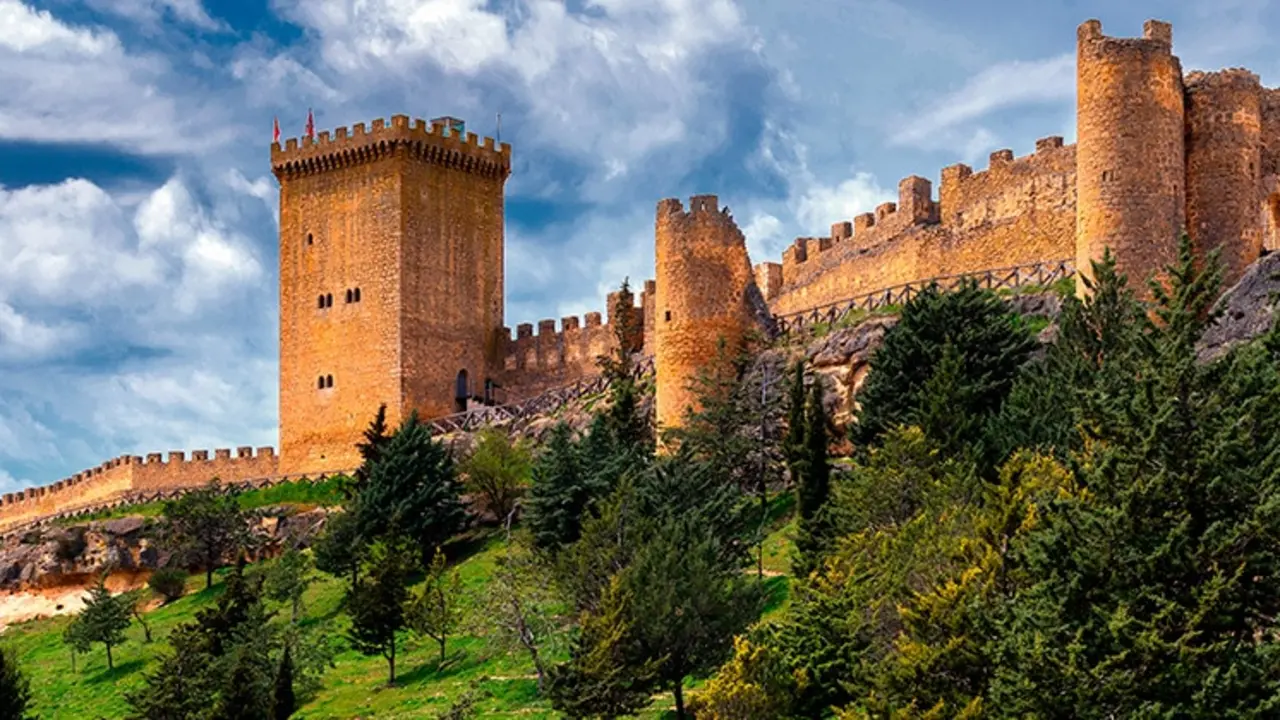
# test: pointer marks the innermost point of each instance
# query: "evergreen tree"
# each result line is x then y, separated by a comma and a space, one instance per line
284, 702
287, 580
625, 422
374, 438
687, 603
219, 665
204, 526
412, 490
377, 607
793, 444
814, 487
600, 679
991, 342
436, 613
563, 491
340, 550
104, 619
15, 689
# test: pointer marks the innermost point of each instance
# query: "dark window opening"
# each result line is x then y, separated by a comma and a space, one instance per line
460, 392
349, 296
328, 381
328, 300
320, 383
320, 302
357, 291
667, 316
309, 239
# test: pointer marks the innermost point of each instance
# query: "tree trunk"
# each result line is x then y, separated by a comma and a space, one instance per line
443, 640
678, 691
208, 575
391, 665
110, 664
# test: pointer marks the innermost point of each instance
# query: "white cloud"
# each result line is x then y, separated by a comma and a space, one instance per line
165, 277
610, 87
151, 13
999, 87
64, 83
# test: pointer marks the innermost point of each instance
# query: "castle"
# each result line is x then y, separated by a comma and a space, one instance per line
391, 256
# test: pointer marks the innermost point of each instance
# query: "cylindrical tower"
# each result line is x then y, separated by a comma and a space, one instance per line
1130, 165
1224, 167
704, 293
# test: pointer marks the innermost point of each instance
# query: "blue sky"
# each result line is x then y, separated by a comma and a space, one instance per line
138, 213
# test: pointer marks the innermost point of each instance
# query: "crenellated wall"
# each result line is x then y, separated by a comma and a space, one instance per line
551, 357
1019, 210
131, 473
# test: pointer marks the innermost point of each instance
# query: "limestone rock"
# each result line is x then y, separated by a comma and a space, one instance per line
1247, 309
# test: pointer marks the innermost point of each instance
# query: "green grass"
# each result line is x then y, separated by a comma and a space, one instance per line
299, 495
356, 687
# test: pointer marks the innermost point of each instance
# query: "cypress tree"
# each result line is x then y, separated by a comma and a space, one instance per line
793, 444
814, 487
285, 702
15, 689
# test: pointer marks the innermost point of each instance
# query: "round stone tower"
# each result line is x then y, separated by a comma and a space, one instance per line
705, 291
1130, 153
1224, 167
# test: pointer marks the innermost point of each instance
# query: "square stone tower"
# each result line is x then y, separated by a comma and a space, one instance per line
391, 280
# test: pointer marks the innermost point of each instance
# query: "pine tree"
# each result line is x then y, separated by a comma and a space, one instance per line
104, 618
564, 489
340, 550
814, 487
15, 689
285, 704
377, 607
412, 490
992, 342
374, 438
793, 443
287, 580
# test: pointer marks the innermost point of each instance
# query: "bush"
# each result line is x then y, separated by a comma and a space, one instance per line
168, 582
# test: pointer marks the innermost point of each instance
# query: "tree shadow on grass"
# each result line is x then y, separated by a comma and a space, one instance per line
776, 591
120, 670
463, 547
455, 663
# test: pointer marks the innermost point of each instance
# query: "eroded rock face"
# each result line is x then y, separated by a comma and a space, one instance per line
1247, 310
75, 555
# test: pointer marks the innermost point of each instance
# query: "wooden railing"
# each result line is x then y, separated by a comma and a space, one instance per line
1009, 278
540, 404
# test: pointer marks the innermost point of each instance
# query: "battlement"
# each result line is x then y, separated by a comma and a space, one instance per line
537, 360
127, 473
1157, 38
436, 143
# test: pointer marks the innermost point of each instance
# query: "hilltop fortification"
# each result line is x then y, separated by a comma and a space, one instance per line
392, 253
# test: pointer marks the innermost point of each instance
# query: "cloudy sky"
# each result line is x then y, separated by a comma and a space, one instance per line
138, 225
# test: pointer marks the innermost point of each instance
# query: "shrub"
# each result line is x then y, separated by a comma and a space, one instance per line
168, 582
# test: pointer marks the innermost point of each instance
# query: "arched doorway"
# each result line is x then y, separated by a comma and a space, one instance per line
460, 392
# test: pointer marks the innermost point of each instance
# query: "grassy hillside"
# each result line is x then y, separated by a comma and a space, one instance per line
356, 686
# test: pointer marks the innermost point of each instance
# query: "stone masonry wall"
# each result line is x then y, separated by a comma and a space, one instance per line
551, 358
128, 473
704, 294
1018, 211
411, 217
1271, 168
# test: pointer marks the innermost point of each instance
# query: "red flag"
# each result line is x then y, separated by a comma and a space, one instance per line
275, 130
311, 125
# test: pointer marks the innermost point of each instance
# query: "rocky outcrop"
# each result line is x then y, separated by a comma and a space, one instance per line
1247, 309
76, 555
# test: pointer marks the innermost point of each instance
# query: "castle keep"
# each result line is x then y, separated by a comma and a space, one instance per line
391, 257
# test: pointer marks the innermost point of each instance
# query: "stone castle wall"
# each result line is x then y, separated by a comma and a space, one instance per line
1157, 154
551, 358
1018, 211
132, 473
